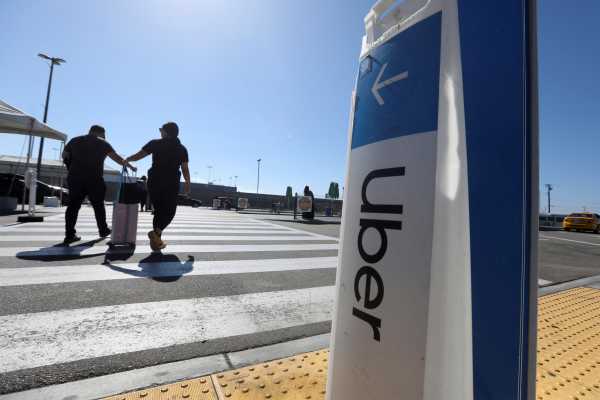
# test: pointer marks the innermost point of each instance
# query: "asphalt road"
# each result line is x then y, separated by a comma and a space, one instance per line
226, 282
565, 256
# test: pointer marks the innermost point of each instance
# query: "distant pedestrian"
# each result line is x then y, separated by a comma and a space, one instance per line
84, 157
310, 215
143, 193
169, 156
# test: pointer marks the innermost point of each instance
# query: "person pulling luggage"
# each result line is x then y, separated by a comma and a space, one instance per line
169, 156
84, 157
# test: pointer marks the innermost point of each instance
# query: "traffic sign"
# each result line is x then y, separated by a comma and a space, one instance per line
305, 203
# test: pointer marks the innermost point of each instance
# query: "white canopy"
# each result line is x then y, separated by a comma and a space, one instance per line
13, 120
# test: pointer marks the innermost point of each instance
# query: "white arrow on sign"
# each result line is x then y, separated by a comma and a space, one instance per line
380, 85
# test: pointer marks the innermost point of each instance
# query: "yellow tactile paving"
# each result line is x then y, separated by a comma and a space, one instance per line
302, 376
568, 362
193, 389
568, 345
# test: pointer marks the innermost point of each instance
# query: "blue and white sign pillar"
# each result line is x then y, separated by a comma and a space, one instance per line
437, 282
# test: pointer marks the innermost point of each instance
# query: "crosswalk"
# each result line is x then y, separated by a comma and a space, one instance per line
225, 282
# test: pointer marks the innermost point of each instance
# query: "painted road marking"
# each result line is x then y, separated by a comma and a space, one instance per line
172, 237
217, 231
56, 337
87, 273
570, 240
146, 223
75, 251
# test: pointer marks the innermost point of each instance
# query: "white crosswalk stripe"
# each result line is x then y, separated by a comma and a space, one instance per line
75, 273
167, 237
291, 272
215, 231
68, 335
177, 248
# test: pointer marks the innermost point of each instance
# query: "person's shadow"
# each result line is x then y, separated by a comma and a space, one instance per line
158, 267
62, 252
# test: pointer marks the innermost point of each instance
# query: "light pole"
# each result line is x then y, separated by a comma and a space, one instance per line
258, 175
235, 181
209, 171
53, 61
549, 188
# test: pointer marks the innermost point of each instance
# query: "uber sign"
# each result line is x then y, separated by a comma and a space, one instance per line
426, 307
388, 210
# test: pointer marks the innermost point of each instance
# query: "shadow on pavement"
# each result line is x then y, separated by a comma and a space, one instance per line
6, 213
61, 252
307, 222
158, 267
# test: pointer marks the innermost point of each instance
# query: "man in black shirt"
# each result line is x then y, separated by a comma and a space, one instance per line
168, 157
84, 157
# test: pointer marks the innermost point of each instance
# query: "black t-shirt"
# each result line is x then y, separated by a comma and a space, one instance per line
86, 156
167, 156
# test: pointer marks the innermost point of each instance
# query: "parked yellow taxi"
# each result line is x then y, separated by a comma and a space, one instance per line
582, 221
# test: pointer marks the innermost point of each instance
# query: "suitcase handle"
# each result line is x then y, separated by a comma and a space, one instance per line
124, 174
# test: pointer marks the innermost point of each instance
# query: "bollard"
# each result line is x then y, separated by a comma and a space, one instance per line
31, 183
431, 303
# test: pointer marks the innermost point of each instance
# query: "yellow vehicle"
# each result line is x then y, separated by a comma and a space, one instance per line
582, 221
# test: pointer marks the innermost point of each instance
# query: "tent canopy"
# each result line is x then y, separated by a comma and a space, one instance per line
13, 120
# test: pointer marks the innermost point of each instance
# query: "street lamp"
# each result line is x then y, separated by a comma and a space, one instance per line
209, 171
235, 181
53, 61
258, 175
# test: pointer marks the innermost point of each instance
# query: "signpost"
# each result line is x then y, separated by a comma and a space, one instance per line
432, 301
242, 203
305, 203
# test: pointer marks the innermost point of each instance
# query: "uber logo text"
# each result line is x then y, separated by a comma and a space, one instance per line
371, 301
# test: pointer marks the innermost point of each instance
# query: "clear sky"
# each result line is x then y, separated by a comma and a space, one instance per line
270, 79
569, 45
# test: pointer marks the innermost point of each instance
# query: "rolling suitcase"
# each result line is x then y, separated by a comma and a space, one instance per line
125, 212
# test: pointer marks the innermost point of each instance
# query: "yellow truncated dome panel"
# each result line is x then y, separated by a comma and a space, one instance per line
193, 389
294, 378
568, 346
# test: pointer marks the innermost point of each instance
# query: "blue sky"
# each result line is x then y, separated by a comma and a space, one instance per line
569, 49
263, 78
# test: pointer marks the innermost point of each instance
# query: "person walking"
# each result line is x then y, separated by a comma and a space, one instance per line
309, 215
143, 193
169, 156
84, 157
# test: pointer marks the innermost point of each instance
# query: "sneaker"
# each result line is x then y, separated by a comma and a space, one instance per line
156, 243
105, 233
71, 239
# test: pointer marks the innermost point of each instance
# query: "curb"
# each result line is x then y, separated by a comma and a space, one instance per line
559, 287
109, 385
